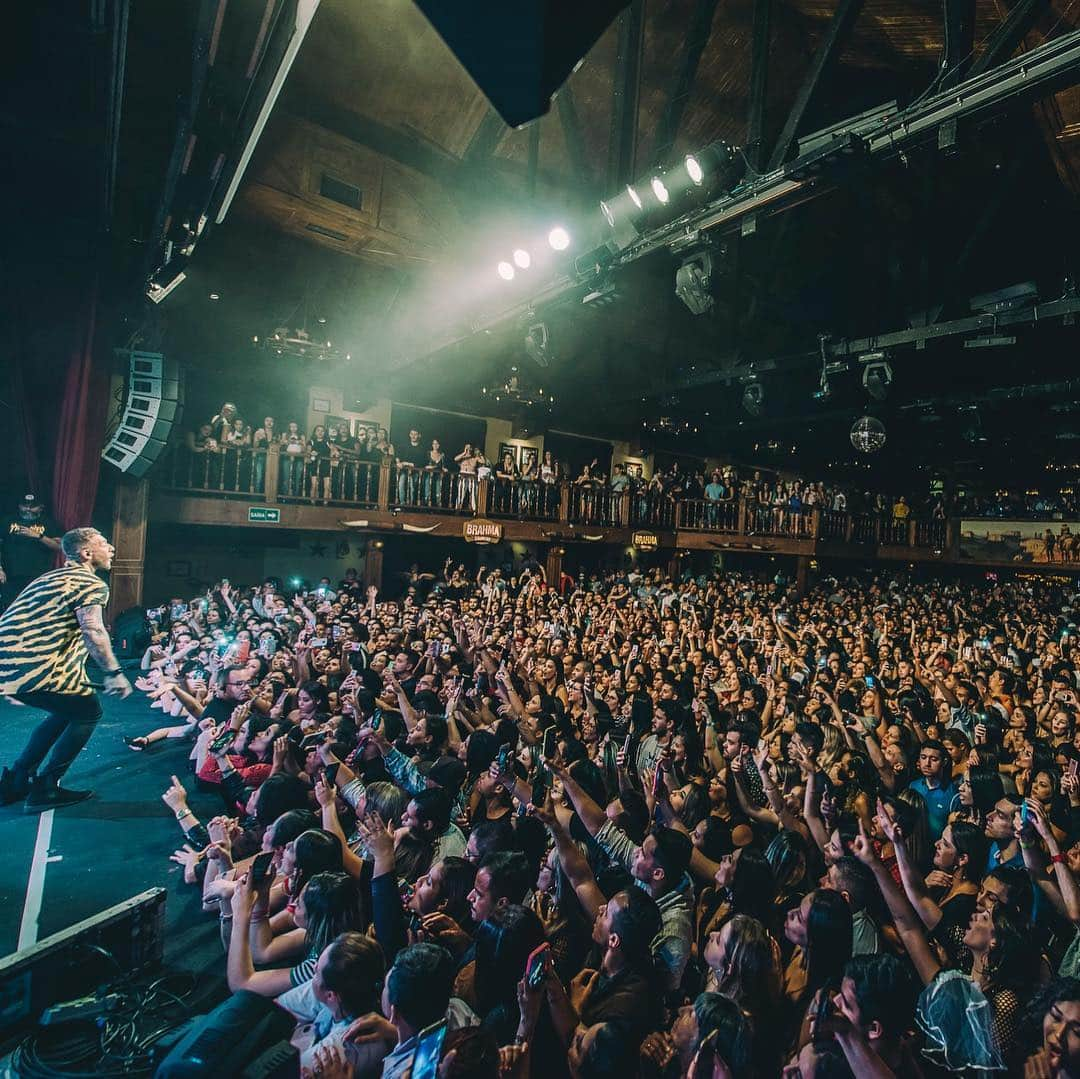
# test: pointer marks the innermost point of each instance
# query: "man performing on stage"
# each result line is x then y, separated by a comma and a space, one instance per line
45, 636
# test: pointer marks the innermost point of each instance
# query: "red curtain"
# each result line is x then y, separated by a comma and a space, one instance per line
81, 421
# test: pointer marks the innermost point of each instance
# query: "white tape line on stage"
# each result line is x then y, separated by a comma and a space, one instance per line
35, 886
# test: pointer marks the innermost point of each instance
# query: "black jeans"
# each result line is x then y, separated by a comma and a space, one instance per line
65, 730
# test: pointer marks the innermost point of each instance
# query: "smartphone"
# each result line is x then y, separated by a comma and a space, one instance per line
177, 611
330, 772
317, 642
222, 740
1074, 765
504, 757
825, 1009
658, 781
267, 646
550, 743
534, 965
1024, 812
871, 681
425, 1064
355, 646
335, 632
539, 787
313, 740
376, 719
260, 866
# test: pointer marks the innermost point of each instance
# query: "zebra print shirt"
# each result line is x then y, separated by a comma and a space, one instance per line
41, 644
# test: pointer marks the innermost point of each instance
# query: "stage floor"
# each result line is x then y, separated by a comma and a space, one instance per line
63, 866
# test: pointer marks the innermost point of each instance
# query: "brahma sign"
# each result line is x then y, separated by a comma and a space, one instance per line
480, 530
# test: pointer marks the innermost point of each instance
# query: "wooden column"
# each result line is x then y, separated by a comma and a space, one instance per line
373, 565
385, 479
273, 472
564, 502
553, 566
483, 497
130, 508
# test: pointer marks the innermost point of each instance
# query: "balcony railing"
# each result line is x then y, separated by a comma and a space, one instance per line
258, 475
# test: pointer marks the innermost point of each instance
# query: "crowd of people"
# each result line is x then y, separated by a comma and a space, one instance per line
332, 464
649, 827
1023, 505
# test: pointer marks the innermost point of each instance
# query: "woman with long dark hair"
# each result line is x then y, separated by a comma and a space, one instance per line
821, 930
744, 884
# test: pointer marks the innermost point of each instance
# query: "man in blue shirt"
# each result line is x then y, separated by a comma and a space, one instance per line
935, 785
714, 492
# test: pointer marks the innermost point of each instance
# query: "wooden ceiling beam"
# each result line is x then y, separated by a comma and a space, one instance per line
1002, 43
831, 46
626, 97
697, 37
959, 41
759, 83
572, 135
486, 138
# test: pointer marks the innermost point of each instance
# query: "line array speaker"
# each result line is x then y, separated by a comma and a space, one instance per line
153, 406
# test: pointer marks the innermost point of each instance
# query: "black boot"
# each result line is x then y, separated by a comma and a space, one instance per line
44, 795
14, 786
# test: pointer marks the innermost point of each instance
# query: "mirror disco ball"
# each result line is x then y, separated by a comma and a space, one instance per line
868, 434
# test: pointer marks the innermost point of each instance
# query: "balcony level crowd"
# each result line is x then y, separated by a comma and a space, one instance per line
219, 488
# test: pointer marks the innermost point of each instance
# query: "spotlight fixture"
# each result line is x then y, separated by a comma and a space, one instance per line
559, 238
659, 189
719, 167
624, 215
537, 344
521, 259
161, 285
693, 282
753, 398
505, 271
877, 377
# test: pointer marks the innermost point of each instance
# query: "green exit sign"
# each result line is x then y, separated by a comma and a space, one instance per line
263, 515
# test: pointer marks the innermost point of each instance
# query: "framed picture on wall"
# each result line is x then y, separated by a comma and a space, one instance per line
634, 469
529, 458
339, 422
320, 404
507, 448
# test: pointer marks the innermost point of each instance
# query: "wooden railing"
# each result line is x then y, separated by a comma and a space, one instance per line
257, 475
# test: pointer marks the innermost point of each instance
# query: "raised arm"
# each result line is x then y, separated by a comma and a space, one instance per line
907, 921
573, 862
592, 816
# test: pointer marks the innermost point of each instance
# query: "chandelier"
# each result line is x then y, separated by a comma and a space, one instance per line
301, 344
515, 390
668, 425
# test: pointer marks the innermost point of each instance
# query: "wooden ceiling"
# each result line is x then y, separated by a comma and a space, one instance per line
378, 100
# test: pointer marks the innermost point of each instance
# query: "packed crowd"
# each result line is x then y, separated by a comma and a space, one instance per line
652, 827
326, 464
